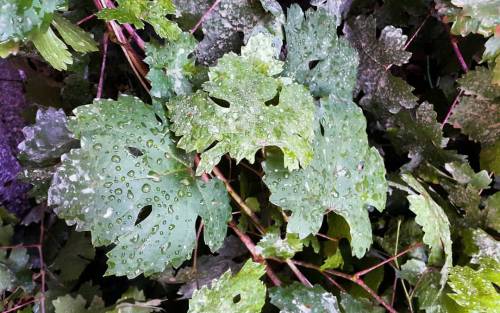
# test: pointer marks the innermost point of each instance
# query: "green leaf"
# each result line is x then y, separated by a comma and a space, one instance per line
12, 268
486, 12
431, 300
170, 66
246, 82
73, 257
346, 176
74, 36
434, 223
474, 289
151, 11
241, 293
358, 305
336, 8
489, 157
333, 261
223, 27
297, 298
52, 49
48, 138
313, 38
412, 269
493, 211
20, 19
126, 162
272, 245
69, 304
478, 245
7, 48
478, 112
133, 301
376, 55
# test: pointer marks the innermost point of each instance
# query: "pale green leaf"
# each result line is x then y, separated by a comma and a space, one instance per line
272, 245
297, 298
358, 305
474, 289
170, 66
151, 11
493, 211
478, 112
20, 19
412, 269
52, 49
127, 161
78, 304
478, 245
7, 48
246, 82
48, 138
346, 176
333, 261
313, 38
489, 157
434, 222
487, 12
11, 268
241, 293
133, 301
74, 36
336, 8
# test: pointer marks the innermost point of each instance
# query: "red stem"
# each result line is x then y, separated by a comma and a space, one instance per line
298, 273
205, 15
247, 241
458, 53
105, 40
456, 101
17, 307
392, 258
85, 19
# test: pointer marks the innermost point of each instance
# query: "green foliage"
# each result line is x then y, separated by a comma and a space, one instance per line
126, 162
243, 292
69, 304
170, 67
345, 176
246, 82
48, 138
151, 11
272, 245
74, 36
478, 112
297, 298
473, 289
434, 222
358, 305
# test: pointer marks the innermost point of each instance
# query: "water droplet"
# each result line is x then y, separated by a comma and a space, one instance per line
115, 159
146, 188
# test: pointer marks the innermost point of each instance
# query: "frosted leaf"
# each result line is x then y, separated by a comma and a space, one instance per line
246, 82
127, 161
272, 245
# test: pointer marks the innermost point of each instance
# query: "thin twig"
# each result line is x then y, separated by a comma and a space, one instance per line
298, 273
458, 53
105, 40
247, 241
333, 282
85, 19
195, 254
205, 15
17, 307
452, 107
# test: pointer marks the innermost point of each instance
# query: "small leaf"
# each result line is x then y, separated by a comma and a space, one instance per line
358, 305
333, 261
492, 211
246, 82
478, 112
48, 138
170, 67
272, 245
150, 11
52, 49
297, 298
69, 304
74, 36
241, 293
478, 245
473, 289
434, 222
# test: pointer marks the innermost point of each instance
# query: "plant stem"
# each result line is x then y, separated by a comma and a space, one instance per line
298, 273
205, 15
100, 85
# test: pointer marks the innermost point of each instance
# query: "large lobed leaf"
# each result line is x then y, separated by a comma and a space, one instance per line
127, 161
246, 82
241, 293
345, 176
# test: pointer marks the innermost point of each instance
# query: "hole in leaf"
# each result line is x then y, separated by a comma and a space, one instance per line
274, 101
158, 118
313, 64
220, 102
145, 211
134, 151
322, 129
237, 299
